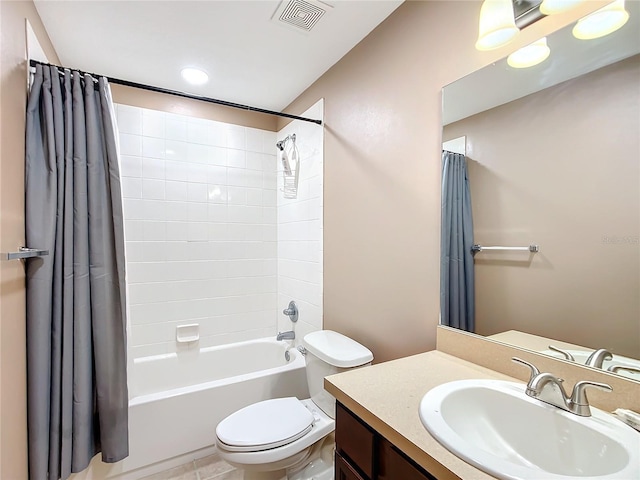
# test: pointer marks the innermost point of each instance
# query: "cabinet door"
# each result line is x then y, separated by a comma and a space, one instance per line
394, 465
344, 471
355, 440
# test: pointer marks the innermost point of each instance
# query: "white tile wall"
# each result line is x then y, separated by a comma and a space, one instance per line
300, 225
200, 229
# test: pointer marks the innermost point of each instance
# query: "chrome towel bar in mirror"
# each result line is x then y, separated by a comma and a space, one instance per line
531, 248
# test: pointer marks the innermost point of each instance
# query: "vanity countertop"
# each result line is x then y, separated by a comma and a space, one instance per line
387, 397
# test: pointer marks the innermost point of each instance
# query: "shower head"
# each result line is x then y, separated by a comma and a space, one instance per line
281, 144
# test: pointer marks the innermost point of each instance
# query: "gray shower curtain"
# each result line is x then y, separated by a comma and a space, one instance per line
77, 396
457, 304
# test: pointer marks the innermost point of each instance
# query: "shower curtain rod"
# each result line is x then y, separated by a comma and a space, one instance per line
177, 93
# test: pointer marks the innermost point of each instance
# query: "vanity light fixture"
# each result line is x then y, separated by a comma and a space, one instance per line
601, 22
531, 55
551, 7
194, 76
497, 25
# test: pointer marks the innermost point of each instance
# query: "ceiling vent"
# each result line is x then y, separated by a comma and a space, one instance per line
303, 15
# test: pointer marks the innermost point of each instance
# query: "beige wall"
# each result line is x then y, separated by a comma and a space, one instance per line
560, 168
13, 95
382, 169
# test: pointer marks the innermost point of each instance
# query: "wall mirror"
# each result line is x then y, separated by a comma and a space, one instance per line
553, 159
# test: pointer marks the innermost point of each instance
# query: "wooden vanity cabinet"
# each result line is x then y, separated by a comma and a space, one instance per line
364, 454
344, 470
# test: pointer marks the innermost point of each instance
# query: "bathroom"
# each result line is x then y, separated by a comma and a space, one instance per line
380, 265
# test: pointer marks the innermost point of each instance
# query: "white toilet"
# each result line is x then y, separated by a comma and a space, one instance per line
287, 438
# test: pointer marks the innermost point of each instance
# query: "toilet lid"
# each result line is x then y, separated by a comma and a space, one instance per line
265, 425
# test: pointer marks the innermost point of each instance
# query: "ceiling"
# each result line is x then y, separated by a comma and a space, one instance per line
250, 59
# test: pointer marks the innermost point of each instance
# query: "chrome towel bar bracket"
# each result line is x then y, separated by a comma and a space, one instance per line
23, 253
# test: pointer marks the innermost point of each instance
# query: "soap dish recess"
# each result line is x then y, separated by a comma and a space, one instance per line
188, 333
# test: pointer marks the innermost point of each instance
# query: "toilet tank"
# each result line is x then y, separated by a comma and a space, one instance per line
330, 352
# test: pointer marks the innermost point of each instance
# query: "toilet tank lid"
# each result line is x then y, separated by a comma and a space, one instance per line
336, 349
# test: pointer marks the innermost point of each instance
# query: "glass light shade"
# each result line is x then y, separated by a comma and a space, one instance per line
602, 22
530, 55
194, 76
551, 7
497, 25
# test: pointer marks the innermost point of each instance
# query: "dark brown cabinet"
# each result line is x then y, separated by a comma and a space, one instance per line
364, 454
344, 470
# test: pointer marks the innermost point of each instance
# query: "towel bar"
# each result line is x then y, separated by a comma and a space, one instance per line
531, 248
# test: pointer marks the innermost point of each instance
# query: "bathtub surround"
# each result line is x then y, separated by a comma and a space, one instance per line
204, 209
200, 228
300, 229
76, 318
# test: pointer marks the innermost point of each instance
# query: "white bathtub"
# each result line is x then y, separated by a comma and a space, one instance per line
177, 400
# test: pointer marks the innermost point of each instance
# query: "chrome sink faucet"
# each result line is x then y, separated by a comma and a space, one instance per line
290, 335
548, 388
597, 358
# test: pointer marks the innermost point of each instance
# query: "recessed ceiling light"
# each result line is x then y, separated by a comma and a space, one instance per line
195, 76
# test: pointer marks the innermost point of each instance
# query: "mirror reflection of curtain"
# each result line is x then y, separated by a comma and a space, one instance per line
457, 303
77, 398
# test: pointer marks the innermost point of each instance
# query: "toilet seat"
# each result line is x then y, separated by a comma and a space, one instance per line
265, 425
285, 455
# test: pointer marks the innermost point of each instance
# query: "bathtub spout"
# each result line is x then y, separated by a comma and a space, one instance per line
290, 335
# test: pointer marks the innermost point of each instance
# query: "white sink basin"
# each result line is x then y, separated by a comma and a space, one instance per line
495, 426
582, 355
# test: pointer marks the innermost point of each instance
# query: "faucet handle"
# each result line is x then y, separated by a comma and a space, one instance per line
291, 311
579, 395
628, 368
534, 370
564, 353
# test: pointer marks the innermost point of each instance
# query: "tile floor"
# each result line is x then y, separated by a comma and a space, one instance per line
208, 468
